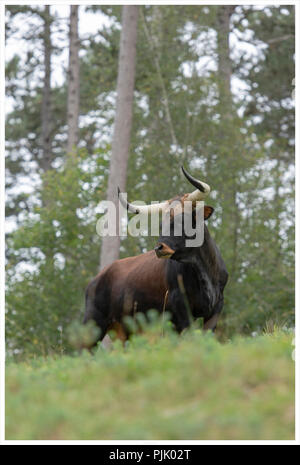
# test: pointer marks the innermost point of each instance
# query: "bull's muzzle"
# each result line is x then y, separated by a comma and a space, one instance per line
162, 250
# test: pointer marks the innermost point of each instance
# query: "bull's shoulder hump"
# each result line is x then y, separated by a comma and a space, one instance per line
129, 263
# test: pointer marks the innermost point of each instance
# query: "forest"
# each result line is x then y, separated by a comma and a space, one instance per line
213, 90
209, 87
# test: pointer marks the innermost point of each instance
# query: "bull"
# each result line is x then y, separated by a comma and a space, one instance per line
188, 282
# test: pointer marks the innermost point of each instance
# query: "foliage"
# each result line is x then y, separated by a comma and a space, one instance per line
159, 388
60, 247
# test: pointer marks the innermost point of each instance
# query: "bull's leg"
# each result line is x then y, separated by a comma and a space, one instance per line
103, 327
177, 307
211, 323
106, 342
100, 320
119, 330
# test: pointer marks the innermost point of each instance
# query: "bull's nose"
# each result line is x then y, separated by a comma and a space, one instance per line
162, 250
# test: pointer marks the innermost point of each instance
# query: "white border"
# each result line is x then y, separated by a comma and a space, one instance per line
2, 313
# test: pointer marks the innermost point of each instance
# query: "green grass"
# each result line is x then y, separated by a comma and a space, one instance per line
188, 387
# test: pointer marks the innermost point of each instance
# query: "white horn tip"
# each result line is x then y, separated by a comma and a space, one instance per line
206, 187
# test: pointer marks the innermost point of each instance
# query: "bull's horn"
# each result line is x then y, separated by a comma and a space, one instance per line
202, 189
156, 207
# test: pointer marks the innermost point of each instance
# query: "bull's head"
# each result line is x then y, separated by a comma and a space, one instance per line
172, 245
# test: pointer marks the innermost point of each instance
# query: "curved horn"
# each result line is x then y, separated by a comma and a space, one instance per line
156, 207
202, 189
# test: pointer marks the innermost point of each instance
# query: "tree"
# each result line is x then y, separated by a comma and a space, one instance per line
30, 125
73, 80
123, 122
46, 100
224, 62
53, 256
229, 131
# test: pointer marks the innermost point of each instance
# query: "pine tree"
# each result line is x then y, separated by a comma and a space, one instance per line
73, 81
123, 122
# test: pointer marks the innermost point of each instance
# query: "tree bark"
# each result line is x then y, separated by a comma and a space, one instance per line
227, 134
46, 100
73, 80
225, 67
123, 123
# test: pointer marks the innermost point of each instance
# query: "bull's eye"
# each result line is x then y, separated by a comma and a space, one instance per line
159, 247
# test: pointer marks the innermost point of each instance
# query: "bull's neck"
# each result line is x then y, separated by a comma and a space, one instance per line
206, 257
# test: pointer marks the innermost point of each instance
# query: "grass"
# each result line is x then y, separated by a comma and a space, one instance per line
188, 387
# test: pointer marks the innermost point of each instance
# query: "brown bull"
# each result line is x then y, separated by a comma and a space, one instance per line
164, 278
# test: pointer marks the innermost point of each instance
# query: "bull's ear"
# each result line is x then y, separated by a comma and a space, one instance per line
208, 211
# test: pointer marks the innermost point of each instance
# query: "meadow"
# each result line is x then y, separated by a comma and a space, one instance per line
158, 387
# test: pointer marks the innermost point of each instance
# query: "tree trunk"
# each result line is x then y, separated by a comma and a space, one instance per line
123, 122
228, 132
73, 80
225, 67
46, 101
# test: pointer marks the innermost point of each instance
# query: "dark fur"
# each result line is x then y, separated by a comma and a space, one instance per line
204, 278
137, 284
